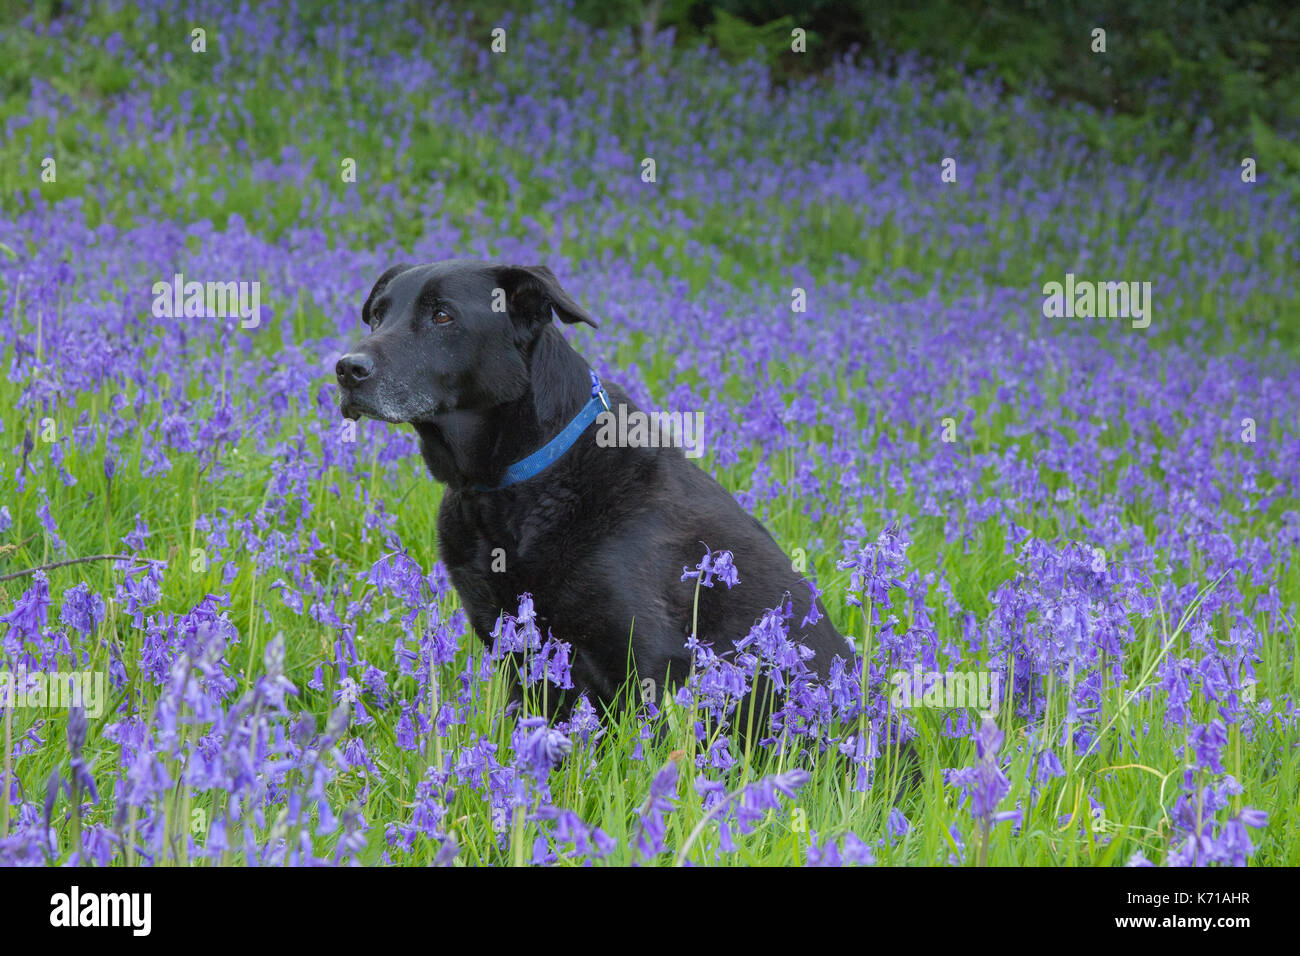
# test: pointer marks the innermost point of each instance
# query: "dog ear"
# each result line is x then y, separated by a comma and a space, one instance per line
379, 288
532, 292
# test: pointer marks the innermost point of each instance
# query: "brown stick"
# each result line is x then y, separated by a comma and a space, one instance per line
64, 564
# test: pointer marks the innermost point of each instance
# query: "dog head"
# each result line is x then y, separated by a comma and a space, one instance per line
453, 336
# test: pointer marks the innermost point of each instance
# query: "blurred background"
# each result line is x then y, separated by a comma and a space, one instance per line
1231, 63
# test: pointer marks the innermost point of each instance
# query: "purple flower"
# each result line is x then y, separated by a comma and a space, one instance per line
28, 615
984, 783
651, 825
139, 538
540, 747
82, 609
719, 564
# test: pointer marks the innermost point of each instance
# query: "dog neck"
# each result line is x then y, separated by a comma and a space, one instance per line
475, 447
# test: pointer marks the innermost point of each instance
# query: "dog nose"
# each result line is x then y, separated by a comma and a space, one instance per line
354, 369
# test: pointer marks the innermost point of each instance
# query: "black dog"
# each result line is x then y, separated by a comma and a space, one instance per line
467, 353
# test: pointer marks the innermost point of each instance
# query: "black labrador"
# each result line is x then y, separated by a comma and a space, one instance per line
467, 353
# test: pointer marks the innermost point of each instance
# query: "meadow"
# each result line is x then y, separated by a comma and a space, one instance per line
1103, 517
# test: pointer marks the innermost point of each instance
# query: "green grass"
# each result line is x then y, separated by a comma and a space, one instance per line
1136, 790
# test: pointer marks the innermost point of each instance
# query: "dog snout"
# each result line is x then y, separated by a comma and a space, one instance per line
354, 368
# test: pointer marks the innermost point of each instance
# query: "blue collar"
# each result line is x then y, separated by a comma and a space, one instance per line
551, 452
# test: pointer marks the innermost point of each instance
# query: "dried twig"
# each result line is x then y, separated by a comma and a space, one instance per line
63, 564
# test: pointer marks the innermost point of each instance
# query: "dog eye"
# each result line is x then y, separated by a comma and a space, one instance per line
441, 316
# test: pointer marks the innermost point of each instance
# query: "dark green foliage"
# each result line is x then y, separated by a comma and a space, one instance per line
1181, 62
